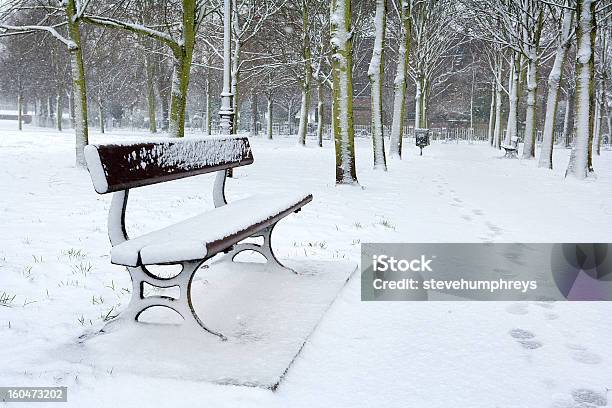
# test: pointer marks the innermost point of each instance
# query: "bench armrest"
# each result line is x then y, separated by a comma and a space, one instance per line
219, 189
116, 218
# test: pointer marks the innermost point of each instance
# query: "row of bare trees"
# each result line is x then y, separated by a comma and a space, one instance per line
417, 61
523, 37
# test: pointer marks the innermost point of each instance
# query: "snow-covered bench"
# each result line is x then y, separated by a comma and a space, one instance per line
511, 149
119, 167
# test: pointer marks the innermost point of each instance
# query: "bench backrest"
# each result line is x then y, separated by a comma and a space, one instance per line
116, 167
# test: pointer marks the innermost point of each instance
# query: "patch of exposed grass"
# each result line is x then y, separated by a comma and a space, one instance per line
75, 254
69, 282
83, 268
109, 315
6, 299
27, 272
97, 300
386, 223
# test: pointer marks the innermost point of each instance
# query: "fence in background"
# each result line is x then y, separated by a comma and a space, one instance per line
451, 134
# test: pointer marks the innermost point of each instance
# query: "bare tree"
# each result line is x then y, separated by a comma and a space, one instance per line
565, 23
375, 72
71, 12
342, 99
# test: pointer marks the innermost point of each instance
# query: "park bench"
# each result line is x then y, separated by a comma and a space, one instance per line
119, 167
511, 149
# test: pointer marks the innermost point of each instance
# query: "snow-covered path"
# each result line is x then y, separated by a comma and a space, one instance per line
54, 259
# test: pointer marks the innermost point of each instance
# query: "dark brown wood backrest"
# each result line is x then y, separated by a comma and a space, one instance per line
116, 167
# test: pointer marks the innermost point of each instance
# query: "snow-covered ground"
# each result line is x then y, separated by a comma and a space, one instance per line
57, 281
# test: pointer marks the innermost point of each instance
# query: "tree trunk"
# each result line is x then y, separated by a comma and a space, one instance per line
491, 115
533, 33
101, 115
164, 98
530, 115
303, 123
498, 107
270, 105
81, 126
183, 56
71, 107
254, 113
307, 84
609, 121
151, 105
424, 101
597, 127
49, 112
320, 117
289, 118
59, 109
554, 81
580, 164
178, 96
513, 85
472, 99
399, 83
602, 111
418, 103
20, 109
375, 73
207, 124
567, 120
235, 71
342, 75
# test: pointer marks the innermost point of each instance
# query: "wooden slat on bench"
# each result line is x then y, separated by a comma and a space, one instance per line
115, 167
219, 245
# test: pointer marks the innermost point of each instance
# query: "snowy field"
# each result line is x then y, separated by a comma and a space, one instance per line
56, 280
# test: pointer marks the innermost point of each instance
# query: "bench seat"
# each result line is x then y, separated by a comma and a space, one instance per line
211, 232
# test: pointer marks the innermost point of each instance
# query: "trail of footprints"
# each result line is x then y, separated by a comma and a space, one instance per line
493, 231
579, 397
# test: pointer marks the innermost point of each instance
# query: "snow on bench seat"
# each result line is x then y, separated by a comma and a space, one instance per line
208, 233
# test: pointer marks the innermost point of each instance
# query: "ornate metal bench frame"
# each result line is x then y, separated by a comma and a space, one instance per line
119, 179
140, 275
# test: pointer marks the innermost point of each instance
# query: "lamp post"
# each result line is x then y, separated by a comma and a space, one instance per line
226, 112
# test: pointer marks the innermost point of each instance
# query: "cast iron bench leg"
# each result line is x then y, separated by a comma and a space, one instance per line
182, 305
264, 249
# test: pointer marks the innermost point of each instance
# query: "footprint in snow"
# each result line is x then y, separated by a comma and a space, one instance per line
477, 212
525, 339
575, 346
521, 334
569, 402
530, 344
586, 357
581, 354
589, 397
545, 304
494, 228
517, 309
